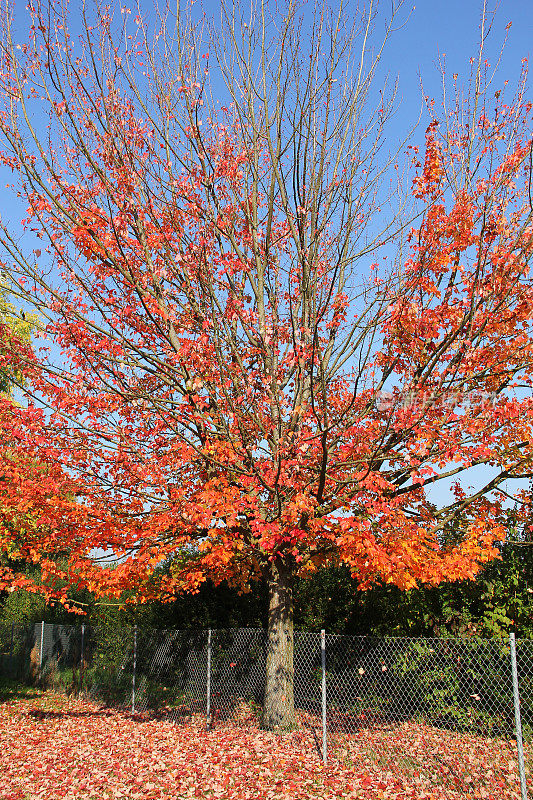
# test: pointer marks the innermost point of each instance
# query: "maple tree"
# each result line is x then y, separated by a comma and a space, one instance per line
261, 369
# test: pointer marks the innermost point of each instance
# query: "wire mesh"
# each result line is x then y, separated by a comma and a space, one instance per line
60, 656
524, 663
434, 710
427, 706
171, 670
238, 668
107, 664
96, 661
453, 683
19, 658
308, 683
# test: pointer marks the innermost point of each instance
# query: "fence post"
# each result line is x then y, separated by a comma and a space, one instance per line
10, 663
324, 703
208, 704
134, 669
518, 722
82, 655
41, 645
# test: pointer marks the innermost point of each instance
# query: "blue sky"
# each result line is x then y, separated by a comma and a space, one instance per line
430, 28
450, 27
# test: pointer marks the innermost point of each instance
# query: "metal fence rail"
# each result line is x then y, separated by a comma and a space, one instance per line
357, 695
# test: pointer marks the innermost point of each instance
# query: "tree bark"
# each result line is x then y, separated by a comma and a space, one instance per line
278, 711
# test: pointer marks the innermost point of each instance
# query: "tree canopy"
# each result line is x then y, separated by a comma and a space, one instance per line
271, 344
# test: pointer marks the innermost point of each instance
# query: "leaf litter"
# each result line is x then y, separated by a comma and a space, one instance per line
59, 748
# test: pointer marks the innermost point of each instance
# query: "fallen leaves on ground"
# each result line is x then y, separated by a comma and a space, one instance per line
54, 747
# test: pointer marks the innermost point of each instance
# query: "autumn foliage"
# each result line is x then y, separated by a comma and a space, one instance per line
76, 748
245, 378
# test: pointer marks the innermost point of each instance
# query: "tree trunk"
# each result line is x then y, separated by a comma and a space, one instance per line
278, 712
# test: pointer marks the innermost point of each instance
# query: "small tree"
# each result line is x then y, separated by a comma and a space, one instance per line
243, 378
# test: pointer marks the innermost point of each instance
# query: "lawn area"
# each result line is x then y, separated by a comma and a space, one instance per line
56, 747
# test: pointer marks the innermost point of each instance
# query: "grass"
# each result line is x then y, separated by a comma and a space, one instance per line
11, 689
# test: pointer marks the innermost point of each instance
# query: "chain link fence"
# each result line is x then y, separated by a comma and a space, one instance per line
432, 709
